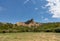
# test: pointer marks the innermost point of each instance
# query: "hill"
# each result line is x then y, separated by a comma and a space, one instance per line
28, 23
30, 26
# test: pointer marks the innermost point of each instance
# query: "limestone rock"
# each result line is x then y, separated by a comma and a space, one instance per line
28, 23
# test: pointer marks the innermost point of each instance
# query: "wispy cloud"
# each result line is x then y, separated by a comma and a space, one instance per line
46, 19
36, 8
26, 1
42, 17
54, 7
33, 1
2, 8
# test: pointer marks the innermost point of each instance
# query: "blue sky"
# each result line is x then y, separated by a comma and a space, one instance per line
22, 10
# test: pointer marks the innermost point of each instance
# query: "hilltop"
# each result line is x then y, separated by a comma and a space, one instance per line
28, 23
29, 26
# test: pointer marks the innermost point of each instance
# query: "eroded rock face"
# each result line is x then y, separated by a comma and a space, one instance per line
28, 23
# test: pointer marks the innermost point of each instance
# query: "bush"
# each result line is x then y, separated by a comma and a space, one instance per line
57, 30
45, 27
48, 30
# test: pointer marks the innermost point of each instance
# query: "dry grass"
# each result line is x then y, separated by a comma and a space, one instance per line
30, 36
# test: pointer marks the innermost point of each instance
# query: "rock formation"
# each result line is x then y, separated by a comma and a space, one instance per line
28, 23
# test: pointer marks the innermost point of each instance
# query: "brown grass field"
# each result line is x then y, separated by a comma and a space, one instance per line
29, 36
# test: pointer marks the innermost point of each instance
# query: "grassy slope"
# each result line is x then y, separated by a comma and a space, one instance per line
29, 36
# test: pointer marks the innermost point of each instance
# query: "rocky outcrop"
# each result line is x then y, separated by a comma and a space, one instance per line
28, 23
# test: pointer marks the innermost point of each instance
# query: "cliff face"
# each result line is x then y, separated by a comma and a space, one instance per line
28, 23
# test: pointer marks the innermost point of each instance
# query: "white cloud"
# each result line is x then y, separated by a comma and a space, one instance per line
26, 1
46, 19
33, 1
36, 8
42, 17
54, 7
43, 7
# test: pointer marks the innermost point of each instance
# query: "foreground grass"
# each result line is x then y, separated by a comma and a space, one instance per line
29, 36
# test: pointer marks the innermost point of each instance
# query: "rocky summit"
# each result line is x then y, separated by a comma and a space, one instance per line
28, 23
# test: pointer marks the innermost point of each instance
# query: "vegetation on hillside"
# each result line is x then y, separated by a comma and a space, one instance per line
45, 27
